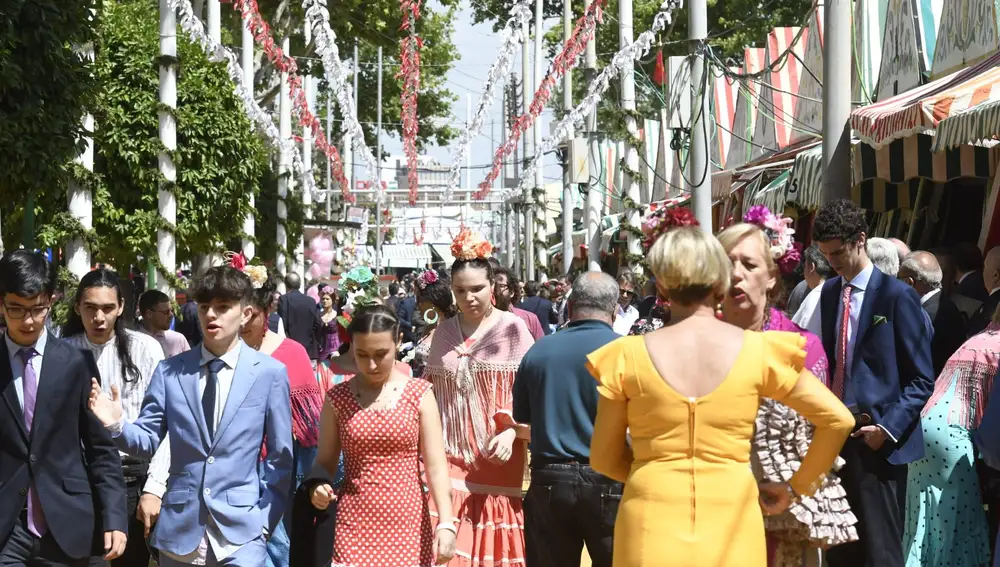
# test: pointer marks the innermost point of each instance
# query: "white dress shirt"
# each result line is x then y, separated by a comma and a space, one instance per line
929, 295
17, 367
624, 319
809, 315
147, 354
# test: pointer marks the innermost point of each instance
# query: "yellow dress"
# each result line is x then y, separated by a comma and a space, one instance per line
690, 496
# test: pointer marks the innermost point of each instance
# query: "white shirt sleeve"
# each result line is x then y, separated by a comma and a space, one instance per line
159, 470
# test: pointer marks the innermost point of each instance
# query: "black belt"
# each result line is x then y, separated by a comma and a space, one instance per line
134, 470
538, 462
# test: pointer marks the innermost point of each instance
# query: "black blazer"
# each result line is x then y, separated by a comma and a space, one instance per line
973, 286
302, 322
949, 329
69, 457
982, 318
404, 312
542, 308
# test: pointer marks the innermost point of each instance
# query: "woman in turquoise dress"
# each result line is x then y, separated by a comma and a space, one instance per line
945, 522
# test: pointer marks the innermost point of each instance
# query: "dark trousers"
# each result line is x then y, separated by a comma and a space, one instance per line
989, 483
876, 491
23, 549
136, 551
567, 506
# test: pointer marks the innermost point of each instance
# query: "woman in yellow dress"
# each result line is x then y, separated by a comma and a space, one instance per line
687, 396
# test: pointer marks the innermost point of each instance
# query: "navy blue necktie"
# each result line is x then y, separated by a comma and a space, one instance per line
211, 391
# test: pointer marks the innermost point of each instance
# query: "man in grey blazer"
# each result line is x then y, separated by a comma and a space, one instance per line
220, 403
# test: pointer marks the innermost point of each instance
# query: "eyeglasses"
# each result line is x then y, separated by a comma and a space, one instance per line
17, 312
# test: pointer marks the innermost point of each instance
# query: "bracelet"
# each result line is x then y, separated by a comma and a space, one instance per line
447, 527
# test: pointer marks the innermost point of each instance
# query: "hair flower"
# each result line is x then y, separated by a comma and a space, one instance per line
784, 250
470, 246
662, 220
257, 274
427, 278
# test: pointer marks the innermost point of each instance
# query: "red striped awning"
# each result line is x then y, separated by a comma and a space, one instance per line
921, 109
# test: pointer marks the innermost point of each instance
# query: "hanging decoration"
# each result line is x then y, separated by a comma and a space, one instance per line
566, 59
300, 105
409, 72
195, 29
325, 40
624, 59
511, 37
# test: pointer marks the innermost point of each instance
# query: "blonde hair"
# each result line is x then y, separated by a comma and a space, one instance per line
690, 265
733, 235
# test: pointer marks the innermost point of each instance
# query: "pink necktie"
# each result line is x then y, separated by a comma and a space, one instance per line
36, 520
845, 318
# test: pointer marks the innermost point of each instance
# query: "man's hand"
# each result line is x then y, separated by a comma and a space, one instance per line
148, 511
873, 435
108, 409
114, 544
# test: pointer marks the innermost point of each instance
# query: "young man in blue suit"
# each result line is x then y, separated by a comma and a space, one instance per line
879, 349
219, 403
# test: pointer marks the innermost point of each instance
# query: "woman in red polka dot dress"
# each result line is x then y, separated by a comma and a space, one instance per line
384, 421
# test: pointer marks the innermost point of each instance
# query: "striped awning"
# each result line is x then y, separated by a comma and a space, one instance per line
406, 255
773, 194
978, 124
878, 195
805, 186
911, 158
921, 109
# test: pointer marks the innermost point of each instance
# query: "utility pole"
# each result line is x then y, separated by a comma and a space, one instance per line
567, 199
246, 62
307, 147
284, 170
698, 166
630, 187
166, 247
540, 212
214, 20
378, 182
347, 161
357, 73
528, 264
837, 100
595, 201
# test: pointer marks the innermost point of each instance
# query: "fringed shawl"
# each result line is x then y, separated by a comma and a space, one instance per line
474, 384
972, 369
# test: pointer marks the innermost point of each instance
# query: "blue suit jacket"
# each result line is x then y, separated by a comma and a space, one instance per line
220, 478
892, 375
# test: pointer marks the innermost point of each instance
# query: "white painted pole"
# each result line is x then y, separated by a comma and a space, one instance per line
81, 203
214, 20
307, 150
468, 156
631, 185
527, 229
567, 199
837, 100
699, 168
166, 247
379, 194
595, 193
540, 211
246, 61
284, 171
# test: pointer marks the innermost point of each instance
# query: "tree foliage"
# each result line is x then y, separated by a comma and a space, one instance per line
44, 87
220, 158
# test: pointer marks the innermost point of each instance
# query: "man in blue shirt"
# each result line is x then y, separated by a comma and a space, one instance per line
568, 504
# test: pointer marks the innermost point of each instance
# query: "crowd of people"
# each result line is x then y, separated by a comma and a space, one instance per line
750, 404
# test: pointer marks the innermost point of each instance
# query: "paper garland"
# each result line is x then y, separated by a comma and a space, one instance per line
566, 59
409, 72
512, 37
193, 26
624, 59
333, 68
262, 35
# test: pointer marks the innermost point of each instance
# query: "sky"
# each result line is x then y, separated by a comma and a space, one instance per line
478, 48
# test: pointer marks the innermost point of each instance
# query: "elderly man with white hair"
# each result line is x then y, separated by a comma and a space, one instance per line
882, 253
922, 272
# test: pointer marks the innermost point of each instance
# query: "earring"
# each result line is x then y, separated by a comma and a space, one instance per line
718, 311
431, 320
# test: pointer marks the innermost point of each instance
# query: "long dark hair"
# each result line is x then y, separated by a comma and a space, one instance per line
439, 295
102, 277
473, 263
374, 319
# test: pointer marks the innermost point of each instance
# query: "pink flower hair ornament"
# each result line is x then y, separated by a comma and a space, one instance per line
427, 278
784, 250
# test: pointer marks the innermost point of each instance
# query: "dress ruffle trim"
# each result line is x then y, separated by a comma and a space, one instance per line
781, 440
492, 530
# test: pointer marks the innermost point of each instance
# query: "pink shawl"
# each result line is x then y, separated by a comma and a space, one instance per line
972, 369
474, 384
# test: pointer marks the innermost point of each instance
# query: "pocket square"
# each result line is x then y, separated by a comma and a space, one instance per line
878, 320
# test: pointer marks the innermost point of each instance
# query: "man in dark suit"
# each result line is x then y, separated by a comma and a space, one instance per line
921, 271
541, 307
405, 308
877, 341
969, 271
990, 278
62, 493
300, 316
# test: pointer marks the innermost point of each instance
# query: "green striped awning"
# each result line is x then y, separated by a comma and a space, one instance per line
911, 157
773, 194
805, 188
878, 195
976, 125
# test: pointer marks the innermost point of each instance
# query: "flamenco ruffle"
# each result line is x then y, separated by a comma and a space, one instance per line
781, 440
492, 530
